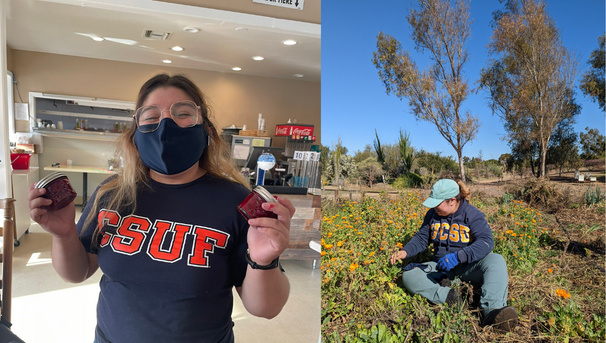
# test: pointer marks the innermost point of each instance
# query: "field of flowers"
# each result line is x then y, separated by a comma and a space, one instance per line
559, 295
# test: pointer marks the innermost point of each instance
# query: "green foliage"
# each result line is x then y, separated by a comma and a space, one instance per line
406, 152
408, 181
570, 321
363, 300
337, 165
368, 151
593, 197
393, 161
378, 150
593, 144
436, 163
592, 82
370, 170
563, 148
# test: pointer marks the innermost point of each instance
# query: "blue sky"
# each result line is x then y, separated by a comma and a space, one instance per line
354, 102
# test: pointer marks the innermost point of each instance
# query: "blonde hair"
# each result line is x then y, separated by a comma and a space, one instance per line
464, 191
122, 190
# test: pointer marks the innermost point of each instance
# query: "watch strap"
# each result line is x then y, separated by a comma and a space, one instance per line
254, 265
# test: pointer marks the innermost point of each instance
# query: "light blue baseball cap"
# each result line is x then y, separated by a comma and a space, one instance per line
441, 190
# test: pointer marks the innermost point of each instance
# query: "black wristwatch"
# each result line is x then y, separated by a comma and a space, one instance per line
254, 265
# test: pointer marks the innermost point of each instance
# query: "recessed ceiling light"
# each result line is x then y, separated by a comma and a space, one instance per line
236, 68
191, 29
258, 58
289, 42
241, 29
176, 48
298, 75
167, 61
98, 39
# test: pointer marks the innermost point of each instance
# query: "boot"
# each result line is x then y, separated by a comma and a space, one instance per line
503, 319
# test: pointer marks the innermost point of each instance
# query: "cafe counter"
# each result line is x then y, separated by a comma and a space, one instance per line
304, 226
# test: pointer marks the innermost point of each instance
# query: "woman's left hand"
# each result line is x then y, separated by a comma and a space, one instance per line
269, 237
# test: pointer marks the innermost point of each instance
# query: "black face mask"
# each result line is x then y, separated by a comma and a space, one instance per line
171, 149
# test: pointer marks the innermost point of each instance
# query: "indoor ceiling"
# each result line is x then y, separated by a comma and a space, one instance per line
226, 39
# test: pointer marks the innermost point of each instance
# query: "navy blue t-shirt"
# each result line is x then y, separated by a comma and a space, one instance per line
169, 269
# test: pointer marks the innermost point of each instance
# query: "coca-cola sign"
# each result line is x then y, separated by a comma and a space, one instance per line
289, 130
281, 130
301, 132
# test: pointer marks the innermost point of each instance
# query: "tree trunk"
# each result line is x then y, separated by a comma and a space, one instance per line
543, 159
461, 167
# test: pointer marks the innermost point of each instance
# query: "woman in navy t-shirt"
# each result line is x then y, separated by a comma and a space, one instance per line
166, 231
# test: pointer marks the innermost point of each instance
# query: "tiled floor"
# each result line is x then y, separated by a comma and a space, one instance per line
46, 309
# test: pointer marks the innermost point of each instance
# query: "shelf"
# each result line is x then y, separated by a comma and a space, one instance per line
86, 115
78, 134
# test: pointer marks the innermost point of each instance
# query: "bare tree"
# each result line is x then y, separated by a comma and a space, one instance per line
370, 169
435, 95
532, 81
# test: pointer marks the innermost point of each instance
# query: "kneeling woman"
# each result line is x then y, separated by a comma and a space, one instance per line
462, 243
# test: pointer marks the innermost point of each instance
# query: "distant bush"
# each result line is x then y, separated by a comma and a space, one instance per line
410, 181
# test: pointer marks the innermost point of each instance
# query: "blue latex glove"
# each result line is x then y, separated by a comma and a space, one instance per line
448, 262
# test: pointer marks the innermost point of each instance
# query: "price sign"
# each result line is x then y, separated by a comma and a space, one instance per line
299, 155
315, 157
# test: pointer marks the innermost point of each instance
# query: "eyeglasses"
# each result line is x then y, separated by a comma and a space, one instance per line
184, 113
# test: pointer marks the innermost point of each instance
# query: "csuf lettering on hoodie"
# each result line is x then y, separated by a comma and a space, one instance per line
466, 232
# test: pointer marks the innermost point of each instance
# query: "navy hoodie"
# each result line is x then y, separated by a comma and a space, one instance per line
466, 232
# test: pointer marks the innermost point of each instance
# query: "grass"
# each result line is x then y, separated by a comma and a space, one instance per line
558, 292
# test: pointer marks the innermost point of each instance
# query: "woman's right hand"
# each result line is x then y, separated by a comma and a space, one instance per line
58, 223
398, 255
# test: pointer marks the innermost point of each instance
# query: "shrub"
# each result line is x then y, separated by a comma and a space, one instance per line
593, 197
408, 181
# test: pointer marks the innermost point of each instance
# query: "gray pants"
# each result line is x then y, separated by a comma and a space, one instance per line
490, 273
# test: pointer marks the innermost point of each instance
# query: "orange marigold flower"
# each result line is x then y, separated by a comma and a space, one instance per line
339, 243
329, 234
372, 253
534, 221
328, 246
323, 253
399, 245
511, 214
562, 293
550, 270
353, 266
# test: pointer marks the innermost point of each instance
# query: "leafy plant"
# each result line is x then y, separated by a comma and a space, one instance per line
593, 197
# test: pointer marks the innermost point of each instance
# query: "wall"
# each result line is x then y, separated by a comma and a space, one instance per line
310, 13
234, 99
9, 58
